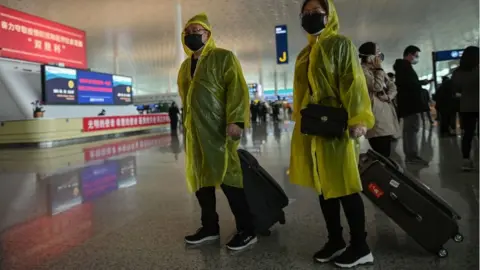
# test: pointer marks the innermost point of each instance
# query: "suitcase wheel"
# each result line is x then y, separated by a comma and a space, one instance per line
266, 233
458, 238
442, 253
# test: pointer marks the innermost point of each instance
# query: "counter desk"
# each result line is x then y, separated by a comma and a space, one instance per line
44, 132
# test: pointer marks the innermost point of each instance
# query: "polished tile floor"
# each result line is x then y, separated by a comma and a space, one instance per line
123, 204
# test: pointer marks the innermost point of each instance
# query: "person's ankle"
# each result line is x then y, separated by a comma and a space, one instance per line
212, 229
337, 241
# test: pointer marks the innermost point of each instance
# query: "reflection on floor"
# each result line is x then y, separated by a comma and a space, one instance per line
123, 204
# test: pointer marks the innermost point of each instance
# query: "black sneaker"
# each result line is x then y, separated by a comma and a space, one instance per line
354, 257
202, 235
242, 240
330, 251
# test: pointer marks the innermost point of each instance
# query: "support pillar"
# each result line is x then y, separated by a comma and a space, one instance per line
116, 65
178, 35
275, 81
169, 90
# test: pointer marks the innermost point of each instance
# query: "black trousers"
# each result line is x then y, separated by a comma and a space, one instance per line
448, 121
355, 213
254, 116
238, 204
173, 124
469, 121
382, 145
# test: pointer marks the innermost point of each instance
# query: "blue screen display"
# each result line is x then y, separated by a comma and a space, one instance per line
75, 86
99, 180
94, 88
60, 85
122, 90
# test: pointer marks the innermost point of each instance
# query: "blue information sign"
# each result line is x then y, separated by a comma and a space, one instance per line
448, 55
281, 40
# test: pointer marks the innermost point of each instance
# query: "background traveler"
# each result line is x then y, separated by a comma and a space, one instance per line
381, 91
173, 113
466, 83
409, 101
444, 104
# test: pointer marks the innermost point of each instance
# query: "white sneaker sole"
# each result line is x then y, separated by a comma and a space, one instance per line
206, 239
368, 259
253, 241
335, 255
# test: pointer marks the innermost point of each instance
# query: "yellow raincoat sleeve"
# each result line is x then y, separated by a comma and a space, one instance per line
352, 85
180, 81
237, 107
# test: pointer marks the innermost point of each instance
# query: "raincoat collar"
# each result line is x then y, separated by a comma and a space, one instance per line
332, 26
201, 19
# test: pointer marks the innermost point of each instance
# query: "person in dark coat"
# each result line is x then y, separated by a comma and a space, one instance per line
173, 113
444, 100
426, 99
276, 109
465, 82
254, 111
410, 102
262, 111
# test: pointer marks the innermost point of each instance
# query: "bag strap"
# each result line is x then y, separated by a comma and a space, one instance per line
311, 91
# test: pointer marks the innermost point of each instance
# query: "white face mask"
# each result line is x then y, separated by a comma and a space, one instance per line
415, 61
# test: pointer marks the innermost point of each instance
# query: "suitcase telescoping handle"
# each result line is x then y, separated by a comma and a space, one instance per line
405, 207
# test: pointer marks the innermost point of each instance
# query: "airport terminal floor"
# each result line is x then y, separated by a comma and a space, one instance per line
123, 204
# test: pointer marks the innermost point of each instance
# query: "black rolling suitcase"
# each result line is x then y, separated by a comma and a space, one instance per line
422, 214
265, 197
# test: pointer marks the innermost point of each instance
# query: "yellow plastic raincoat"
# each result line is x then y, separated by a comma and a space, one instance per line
331, 66
216, 96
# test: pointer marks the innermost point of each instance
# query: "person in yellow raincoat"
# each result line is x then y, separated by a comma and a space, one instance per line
329, 66
216, 102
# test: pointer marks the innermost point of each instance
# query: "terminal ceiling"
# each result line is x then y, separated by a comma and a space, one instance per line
144, 33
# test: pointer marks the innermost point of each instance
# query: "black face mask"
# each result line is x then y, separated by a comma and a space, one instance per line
313, 23
194, 42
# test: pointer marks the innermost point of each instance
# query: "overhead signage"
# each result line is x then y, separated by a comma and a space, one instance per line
281, 41
447, 55
31, 38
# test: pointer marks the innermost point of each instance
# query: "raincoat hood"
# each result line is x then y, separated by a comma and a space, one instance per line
332, 26
202, 20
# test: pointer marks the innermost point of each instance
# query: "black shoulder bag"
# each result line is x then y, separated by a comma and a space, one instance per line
323, 121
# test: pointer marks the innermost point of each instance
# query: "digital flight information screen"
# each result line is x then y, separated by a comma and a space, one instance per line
67, 86
60, 85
